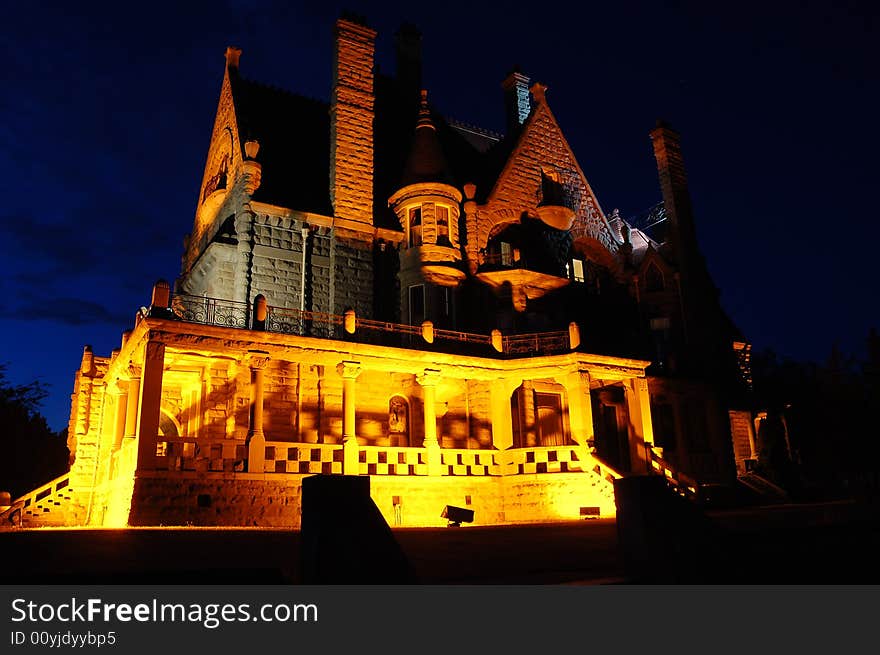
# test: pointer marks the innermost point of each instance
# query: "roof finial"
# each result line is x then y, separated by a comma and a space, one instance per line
424, 112
539, 91
233, 56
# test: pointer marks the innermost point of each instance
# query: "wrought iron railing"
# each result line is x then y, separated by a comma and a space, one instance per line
383, 326
536, 343
234, 314
301, 322
465, 337
210, 311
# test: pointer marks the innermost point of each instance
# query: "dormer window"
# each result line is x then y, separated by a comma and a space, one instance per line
443, 226
415, 226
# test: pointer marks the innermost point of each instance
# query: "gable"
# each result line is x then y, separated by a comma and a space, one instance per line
222, 166
542, 147
653, 264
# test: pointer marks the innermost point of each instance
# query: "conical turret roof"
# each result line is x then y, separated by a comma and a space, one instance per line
426, 162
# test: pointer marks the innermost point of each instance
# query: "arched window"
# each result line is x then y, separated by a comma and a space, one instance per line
398, 421
415, 226
168, 426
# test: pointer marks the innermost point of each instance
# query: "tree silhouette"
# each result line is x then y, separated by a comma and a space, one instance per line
32, 454
829, 410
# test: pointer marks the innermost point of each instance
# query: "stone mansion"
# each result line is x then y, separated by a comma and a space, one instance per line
373, 289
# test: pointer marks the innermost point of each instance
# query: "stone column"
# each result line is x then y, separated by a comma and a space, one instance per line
502, 426
131, 405
580, 410
349, 372
428, 380
119, 416
149, 405
256, 441
639, 407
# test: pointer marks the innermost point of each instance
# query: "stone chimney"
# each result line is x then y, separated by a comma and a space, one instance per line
233, 55
351, 122
408, 41
676, 197
516, 99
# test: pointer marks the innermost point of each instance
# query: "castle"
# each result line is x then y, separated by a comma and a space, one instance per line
372, 289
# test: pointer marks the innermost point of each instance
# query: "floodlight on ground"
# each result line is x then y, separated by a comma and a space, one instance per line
457, 515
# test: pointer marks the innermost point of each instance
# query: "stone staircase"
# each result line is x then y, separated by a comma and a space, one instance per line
761, 486
682, 484
601, 475
45, 506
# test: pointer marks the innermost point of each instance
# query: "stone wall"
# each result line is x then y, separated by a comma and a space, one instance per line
480, 414
216, 500
453, 425
277, 265
252, 500
352, 262
338, 275
213, 273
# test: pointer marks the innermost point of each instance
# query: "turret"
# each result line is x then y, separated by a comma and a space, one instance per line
427, 206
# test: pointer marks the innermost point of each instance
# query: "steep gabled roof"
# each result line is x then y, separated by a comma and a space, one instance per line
482, 140
523, 157
294, 136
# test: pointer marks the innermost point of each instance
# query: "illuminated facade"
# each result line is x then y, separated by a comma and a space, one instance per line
372, 289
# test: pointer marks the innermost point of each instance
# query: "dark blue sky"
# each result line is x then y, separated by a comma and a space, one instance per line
107, 111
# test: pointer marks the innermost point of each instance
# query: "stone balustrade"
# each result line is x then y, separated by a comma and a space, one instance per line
35, 503
306, 458
682, 483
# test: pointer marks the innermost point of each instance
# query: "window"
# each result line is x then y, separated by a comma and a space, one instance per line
506, 254
415, 226
443, 226
416, 304
577, 270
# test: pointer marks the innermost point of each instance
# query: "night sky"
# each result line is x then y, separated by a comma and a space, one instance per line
107, 113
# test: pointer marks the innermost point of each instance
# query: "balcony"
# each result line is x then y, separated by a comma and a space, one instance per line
555, 205
498, 270
349, 327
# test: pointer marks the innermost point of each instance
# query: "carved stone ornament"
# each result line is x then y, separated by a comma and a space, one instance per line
349, 369
429, 378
